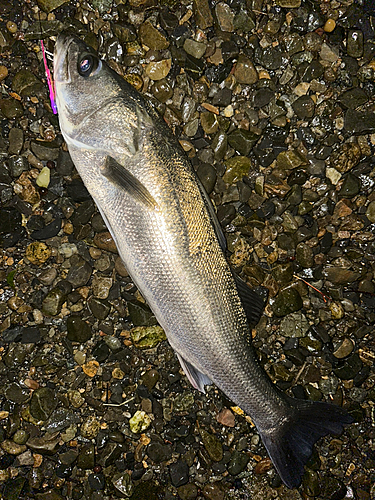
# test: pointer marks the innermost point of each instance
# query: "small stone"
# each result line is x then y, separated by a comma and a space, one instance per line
104, 241
11, 108
305, 255
86, 457
236, 168
139, 422
157, 70
16, 138
188, 491
38, 252
101, 286
179, 472
202, 13
304, 107
123, 484
45, 151
289, 4
213, 491
245, 71
43, 403
195, 49
294, 325
212, 445
78, 330
150, 378
13, 448
330, 25
287, 301
75, 398
43, 445
226, 417
263, 466
290, 159
224, 16
147, 337
340, 275
152, 38
337, 310
44, 178
207, 175
91, 368
50, 5
370, 212
238, 462
333, 175
3, 72
79, 272
354, 44
159, 452
52, 303
90, 427
344, 348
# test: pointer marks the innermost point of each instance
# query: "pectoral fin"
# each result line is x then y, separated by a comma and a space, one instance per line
118, 174
251, 301
197, 379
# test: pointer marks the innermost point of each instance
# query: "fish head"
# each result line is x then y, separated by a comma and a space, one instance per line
88, 92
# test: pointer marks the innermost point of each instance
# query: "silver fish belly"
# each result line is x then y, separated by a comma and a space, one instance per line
171, 244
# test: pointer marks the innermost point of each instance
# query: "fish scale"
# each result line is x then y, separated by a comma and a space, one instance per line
172, 246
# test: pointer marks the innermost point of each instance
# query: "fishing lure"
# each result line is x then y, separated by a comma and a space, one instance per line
49, 80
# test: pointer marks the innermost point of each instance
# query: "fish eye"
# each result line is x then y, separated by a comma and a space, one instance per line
89, 65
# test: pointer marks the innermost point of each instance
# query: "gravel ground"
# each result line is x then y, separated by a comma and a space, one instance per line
274, 104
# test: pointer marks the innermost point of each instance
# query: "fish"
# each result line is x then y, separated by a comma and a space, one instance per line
172, 245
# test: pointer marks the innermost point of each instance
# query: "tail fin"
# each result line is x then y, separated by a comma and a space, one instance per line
290, 446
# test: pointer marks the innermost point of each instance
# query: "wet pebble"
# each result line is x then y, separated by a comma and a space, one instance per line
179, 473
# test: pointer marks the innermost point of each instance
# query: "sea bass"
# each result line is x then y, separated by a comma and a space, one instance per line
171, 244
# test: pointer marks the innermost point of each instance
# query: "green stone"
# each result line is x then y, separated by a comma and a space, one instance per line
140, 314
13, 487
283, 273
305, 255
340, 275
11, 108
43, 403
212, 445
220, 145
26, 84
53, 302
78, 330
147, 337
290, 159
43, 29
310, 343
49, 5
90, 427
123, 484
287, 301
21, 436
86, 457
139, 422
242, 140
236, 168
242, 21
150, 379
350, 187
209, 122
202, 13
238, 462
370, 212
183, 402
305, 207
188, 491
278, 371
311, 483
245, 71
294, 324
313, 393
151, 37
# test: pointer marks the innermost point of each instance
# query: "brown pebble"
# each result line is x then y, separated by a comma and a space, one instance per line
226, 417
3, 72
263, 466
105, 241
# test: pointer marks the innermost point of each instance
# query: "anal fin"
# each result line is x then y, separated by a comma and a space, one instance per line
197, 379
118, 174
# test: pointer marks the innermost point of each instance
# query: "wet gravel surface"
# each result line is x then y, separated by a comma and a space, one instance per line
274, 104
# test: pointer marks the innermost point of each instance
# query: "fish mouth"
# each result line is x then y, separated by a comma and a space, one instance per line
60, 58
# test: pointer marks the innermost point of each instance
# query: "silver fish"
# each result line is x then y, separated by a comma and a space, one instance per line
171, 244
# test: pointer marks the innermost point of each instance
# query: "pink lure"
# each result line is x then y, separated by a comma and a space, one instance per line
49, 80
